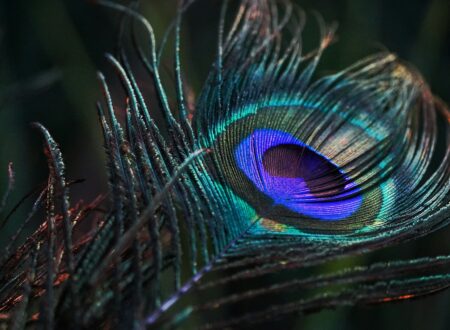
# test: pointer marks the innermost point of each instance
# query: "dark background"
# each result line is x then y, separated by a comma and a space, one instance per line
51, 49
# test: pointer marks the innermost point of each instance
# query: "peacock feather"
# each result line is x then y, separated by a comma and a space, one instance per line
235, 203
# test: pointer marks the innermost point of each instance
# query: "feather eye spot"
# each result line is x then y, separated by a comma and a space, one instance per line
297, 177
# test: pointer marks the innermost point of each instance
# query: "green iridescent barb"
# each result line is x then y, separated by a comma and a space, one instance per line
274, 173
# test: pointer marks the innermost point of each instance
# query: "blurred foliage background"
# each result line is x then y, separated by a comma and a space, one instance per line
50, 51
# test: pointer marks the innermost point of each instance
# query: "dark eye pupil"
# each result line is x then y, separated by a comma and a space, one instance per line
293, 161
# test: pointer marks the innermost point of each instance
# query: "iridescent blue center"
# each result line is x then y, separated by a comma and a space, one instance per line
296, 176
